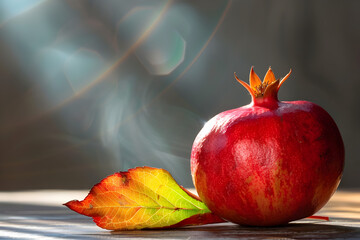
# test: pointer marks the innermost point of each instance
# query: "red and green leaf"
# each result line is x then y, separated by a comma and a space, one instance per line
141, 198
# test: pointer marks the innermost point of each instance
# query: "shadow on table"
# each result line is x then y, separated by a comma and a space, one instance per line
229, 231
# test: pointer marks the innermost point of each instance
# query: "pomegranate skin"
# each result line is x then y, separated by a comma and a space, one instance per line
268, 163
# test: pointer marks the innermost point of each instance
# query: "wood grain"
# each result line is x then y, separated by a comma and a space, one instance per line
40, 215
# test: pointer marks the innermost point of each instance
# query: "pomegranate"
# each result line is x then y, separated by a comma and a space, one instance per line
269, 162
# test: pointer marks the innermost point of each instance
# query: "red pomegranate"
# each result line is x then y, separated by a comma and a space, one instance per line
269, 162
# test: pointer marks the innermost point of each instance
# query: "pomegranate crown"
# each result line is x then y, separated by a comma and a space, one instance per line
268, 88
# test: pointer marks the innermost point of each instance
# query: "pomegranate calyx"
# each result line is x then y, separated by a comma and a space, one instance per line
265, 91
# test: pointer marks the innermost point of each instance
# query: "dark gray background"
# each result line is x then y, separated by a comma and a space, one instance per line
88, 88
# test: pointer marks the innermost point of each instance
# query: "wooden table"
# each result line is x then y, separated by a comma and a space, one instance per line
40, 215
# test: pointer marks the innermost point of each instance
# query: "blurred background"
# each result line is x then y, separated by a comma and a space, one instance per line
89, 88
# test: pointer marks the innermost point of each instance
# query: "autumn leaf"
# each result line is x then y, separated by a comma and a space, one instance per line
142, 197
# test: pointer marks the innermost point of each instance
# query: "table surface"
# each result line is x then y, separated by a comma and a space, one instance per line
40, 215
